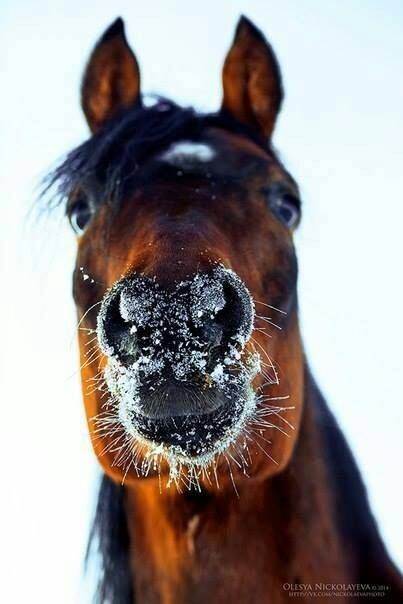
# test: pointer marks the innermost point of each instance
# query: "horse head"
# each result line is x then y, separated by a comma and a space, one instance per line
185, 282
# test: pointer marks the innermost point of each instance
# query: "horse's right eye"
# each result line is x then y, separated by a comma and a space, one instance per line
80, 214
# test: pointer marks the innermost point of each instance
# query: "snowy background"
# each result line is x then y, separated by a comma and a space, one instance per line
340, 134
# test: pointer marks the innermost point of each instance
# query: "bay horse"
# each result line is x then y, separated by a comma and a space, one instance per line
225, 475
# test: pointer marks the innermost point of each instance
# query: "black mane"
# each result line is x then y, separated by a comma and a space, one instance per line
109, 544
113, 157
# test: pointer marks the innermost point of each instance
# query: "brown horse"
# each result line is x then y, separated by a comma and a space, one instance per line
226, 477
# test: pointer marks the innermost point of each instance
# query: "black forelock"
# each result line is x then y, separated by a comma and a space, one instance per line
114, 156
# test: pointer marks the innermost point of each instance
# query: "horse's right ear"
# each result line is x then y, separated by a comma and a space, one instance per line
253, 91
111, 80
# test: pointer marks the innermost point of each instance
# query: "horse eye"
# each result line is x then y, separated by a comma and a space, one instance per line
285, 206
80, 215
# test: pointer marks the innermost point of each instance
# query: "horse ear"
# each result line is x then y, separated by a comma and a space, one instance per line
111, 80
252, 85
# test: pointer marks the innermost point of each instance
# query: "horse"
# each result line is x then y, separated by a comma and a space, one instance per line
225, 476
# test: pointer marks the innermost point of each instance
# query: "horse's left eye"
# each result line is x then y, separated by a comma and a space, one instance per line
80, 215
287, 210
285, 206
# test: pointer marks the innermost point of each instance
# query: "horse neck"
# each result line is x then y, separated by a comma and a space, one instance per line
302, 526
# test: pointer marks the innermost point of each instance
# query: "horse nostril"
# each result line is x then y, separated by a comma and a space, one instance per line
117, 335
222, 308
140, 323
128, 319
230, 317
236, 316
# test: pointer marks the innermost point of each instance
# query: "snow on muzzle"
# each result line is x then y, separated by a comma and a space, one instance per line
177, 370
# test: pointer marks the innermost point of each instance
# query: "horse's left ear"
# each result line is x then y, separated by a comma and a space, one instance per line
252, 85
111, 80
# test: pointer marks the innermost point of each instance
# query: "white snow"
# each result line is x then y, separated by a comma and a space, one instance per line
86, 276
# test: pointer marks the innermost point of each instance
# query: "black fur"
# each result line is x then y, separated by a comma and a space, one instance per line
109, 538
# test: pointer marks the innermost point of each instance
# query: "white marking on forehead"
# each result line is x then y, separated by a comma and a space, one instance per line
187, 152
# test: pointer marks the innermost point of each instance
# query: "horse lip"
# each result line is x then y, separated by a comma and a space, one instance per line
175, 399
203, 415
193, 433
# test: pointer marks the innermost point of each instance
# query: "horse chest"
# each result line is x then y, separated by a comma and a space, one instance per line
214, 555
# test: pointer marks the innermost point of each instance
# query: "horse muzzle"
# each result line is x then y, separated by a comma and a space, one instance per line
178, 371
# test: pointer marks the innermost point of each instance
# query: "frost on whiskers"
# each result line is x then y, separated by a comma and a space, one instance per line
174, 342
124, 406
